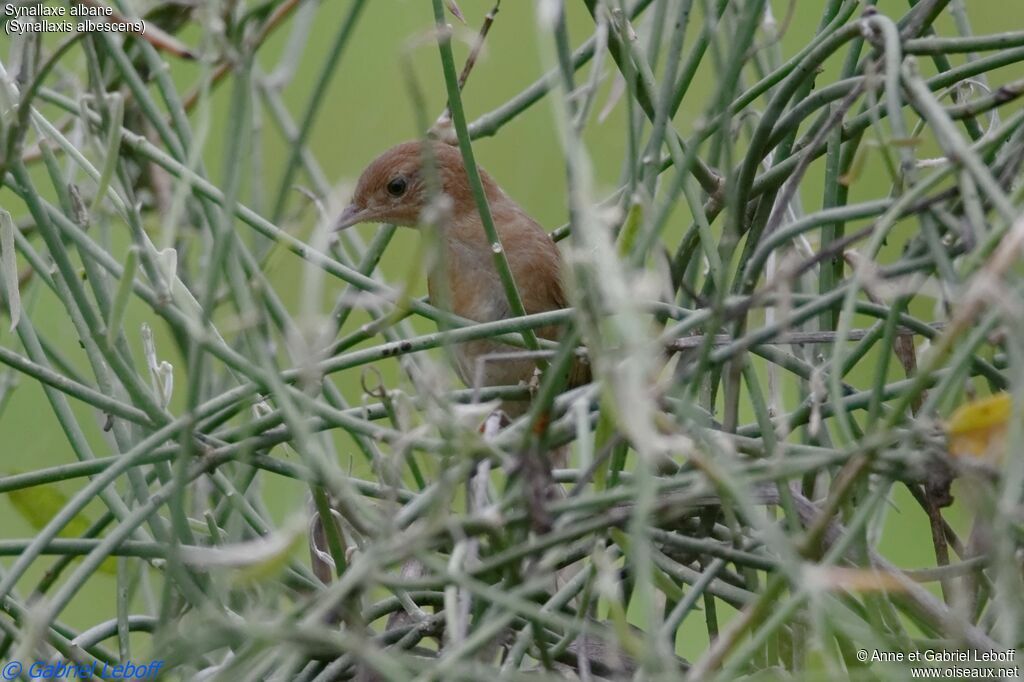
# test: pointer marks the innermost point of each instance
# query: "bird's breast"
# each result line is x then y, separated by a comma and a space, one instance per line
467, 283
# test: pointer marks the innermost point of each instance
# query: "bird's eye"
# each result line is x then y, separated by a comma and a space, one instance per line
396, 187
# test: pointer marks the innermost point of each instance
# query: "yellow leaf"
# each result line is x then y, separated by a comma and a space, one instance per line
978, 428
39, 504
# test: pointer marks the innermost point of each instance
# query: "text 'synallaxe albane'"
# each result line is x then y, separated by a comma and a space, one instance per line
23, 19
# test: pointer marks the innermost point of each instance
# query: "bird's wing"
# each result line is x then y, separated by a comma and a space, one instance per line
537, 267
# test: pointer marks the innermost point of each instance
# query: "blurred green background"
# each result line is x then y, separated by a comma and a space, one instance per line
366, 110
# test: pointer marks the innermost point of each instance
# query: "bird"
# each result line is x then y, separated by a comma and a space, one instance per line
395, 188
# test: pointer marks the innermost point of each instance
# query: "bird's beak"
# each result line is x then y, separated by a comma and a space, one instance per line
352, 215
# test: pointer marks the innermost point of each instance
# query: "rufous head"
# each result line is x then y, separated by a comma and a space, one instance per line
393, 188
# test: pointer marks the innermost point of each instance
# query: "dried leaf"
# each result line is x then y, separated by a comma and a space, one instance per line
852, 579
454, 9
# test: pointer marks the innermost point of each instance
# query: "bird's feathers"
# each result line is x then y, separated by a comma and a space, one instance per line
466, 280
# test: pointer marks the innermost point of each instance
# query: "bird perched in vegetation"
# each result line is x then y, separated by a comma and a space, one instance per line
395, 188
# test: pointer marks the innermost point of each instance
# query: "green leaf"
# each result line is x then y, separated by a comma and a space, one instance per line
9, 266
